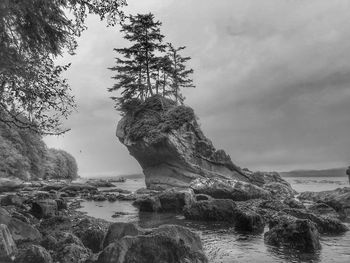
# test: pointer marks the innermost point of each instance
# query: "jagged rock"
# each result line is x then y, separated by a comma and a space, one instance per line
171, 244
324, 210
79, 188
10, 184
20, 231
112, 198
293, 203
279, 190
240, 215
262, 178
55, 224
171, 148
293, 233
12, 199
170, 200
90, 233
99, 198
53, 186
34, 254
100, 183
211, 210
246, 219
117, 231
228, 189
339, 199
72, 254
8, 247
324, 224
148, 204
174, 200
61, 204
44, 208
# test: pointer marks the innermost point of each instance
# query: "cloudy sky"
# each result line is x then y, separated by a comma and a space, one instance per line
272, 82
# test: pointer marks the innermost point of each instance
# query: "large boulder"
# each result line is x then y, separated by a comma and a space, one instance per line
20, 231
339, 199
324, 224
211, 210
34, 254
228, 189
241, 216
170, 200
117, 231
290, 232
44, 208
90, 233
167, 141
8, 247
280, 191
148, 204
171, 244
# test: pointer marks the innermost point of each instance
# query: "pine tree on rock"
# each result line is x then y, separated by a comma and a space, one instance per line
138, 66
180, 73
148, 67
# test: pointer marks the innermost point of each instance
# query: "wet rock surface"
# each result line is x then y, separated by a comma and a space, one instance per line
338, 199
228, 189
173, 244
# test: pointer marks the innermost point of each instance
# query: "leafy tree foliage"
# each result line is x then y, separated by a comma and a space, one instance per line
23, 154
60, 165
148, 67
32, 34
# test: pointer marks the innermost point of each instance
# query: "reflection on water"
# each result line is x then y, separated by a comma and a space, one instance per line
221, 242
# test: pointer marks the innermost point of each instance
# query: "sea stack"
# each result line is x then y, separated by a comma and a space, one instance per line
167, 141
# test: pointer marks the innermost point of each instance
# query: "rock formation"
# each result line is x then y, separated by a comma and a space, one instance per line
167, 141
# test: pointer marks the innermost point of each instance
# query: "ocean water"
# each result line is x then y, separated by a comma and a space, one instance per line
221, 242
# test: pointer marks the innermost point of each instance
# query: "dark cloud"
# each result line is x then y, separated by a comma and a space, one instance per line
272, 82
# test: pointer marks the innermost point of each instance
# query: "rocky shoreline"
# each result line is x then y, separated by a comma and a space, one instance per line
39, 221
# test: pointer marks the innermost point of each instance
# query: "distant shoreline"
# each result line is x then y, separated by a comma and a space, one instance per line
336, 172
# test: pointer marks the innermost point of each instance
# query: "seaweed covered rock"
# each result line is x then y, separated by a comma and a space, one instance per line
167, 141
168, 243
34, 254
290, 232
241, 216
339, 199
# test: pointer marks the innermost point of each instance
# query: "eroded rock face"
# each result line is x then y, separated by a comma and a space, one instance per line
228, 189
169, 145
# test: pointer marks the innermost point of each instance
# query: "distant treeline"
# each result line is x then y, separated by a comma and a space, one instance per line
336, 172
24, 154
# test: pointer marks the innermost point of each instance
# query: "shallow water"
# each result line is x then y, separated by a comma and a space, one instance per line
221, 242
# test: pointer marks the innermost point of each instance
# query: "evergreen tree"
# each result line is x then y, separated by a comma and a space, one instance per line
180, 73
139, 62
148, 67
